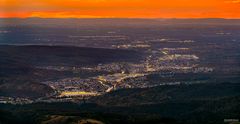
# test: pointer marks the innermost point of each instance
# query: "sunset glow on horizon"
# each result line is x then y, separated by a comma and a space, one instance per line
120, 8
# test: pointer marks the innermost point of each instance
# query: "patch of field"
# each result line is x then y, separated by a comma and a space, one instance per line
77, 93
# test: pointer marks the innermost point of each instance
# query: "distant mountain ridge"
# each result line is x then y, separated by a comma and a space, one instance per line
91, 22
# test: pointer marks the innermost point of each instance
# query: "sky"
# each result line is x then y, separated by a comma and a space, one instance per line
120, 8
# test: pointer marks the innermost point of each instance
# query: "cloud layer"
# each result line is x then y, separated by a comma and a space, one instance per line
121, 8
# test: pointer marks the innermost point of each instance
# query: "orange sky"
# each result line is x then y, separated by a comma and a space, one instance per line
120, 8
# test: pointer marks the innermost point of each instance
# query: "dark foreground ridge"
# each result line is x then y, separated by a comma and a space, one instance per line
185, 104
